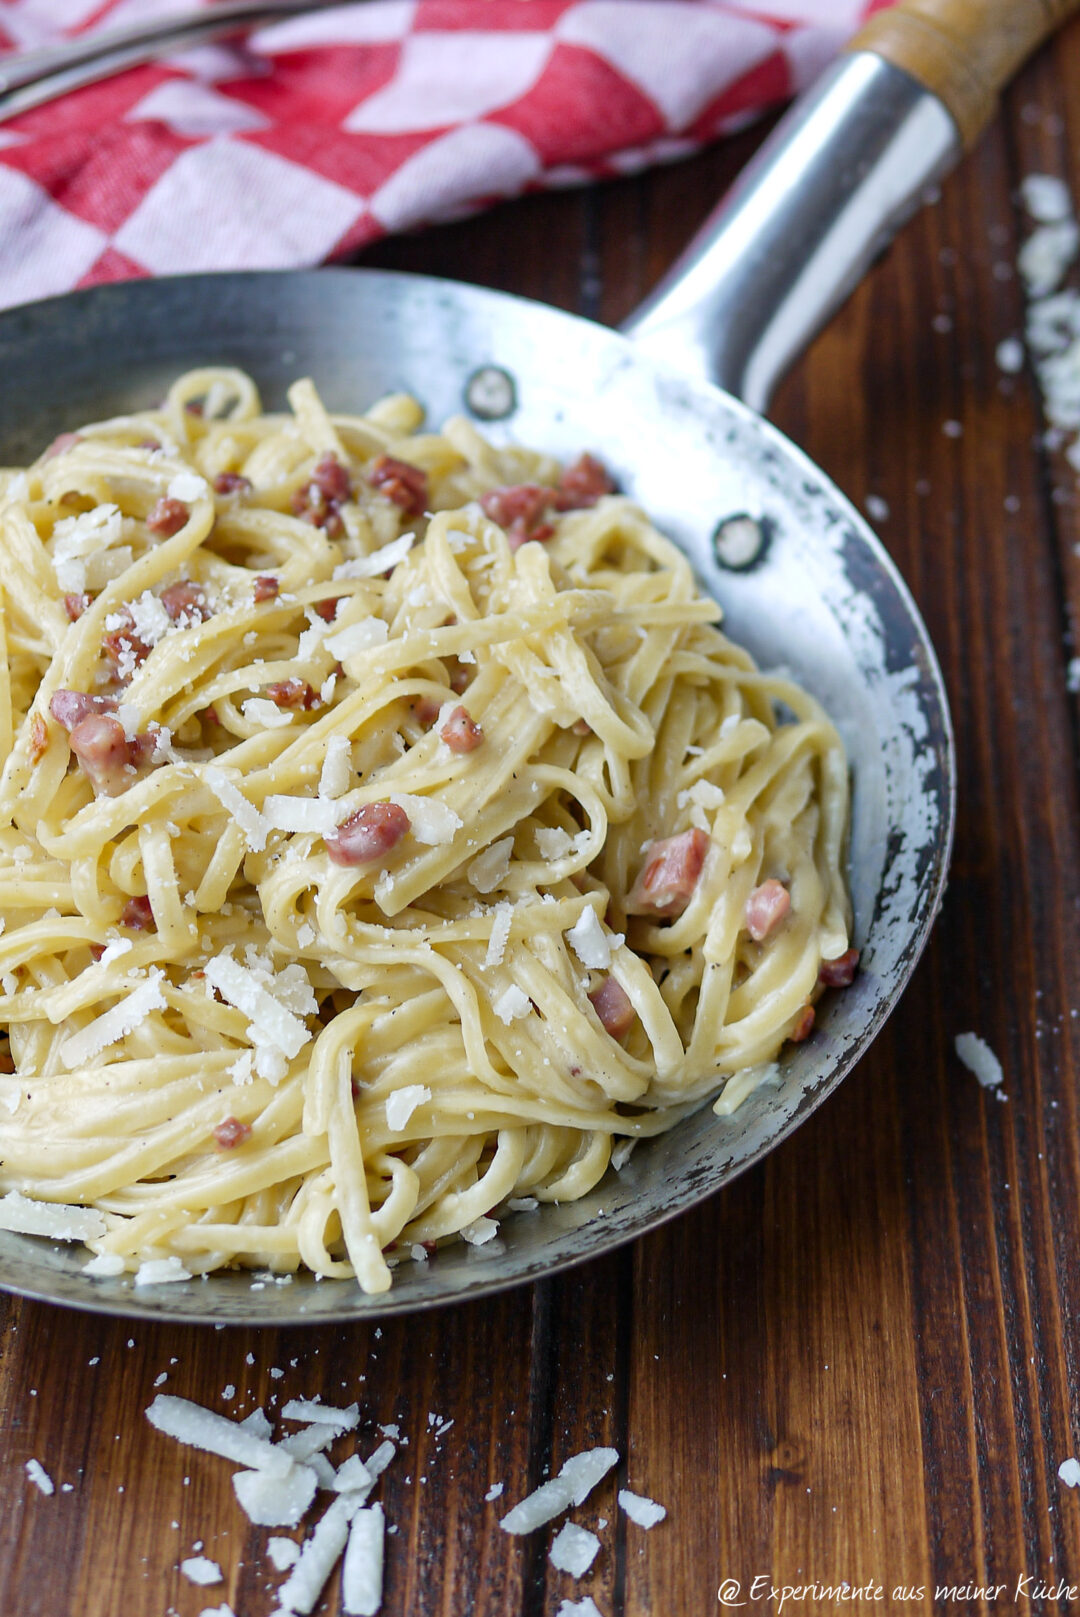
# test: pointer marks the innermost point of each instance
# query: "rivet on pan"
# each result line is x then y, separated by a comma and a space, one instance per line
490, 393
739, 542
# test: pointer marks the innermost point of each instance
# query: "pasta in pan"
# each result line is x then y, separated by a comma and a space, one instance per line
387, 832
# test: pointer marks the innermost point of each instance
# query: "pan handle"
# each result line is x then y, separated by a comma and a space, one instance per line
831, 186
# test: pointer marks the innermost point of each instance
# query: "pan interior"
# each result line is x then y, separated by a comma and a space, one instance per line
821, 600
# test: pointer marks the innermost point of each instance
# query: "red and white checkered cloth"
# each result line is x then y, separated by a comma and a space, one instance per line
319, 134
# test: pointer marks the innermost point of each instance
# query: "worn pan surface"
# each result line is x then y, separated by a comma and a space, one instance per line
823, 599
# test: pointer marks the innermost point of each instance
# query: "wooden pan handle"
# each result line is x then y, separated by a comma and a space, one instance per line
962, 51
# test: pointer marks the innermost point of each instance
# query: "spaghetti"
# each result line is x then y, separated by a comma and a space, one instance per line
387, 831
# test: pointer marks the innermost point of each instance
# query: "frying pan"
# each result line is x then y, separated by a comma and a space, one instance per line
819, 596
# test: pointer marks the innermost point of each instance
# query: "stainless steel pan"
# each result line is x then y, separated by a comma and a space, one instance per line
822, 597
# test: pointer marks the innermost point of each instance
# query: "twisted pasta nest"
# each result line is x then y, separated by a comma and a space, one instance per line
364, 865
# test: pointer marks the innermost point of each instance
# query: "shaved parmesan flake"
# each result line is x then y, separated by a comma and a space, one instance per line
41, 1478
300, 814
203, 1429
281, 1030
553, 842
302, 1445
306, 1409
275, 1501
112, 951
283, 1553
978, 1058
702, 792
257, 1422
352, 1476
75, 540
576, 1480
301, 1590
430, 821
500, 935
378, 1460
160, 1271
105, 1264
402, 1104
116, 1023
260, 710
586, 1607
512, 1004
54, 1219
573, 1549
494, 1491
590, 942
187, 486
379, 561
200, 1569
645, 1512
362, 1573
1068, 1471
357, 637
490, 868
480, 1231
1046, 198
620, 1155
243, 811
336, 776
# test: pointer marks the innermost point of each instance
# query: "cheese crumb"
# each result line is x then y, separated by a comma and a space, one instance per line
336, 776
357, 637
573, 1549
978, 1058
41, 1478
512, 1004
645, 1512
500, 934
161, 1271
116, 1023
1068, 1471
480, 1231
200, 1569
590, 942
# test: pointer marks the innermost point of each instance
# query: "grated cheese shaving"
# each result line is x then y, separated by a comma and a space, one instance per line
978, 1058
575, 1481
645, 1512
200, 1569
306, 1409
283, 1553
357, 637
260, 710
275, 1501
362, 1572
490, 868
512, 1004
204, 1429
430, 821
1068, 1471
300, 814
336, 776
115, 1023
573, 1549
39, 1476
280, 1029
402, 1104
480, 1231
590, 942
500, 936
379, 561
160, 1271
243, 811
301, 1590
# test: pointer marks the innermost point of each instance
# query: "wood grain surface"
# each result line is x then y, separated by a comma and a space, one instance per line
862, 1361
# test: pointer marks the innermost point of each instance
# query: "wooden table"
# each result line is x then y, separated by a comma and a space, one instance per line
862, 1361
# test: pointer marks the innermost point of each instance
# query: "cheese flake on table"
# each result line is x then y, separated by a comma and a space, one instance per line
585, 1607
307, 1409
978, 1058
301, 1590
38, 1475
575, 1481
200, 1569
116, 1023
204, 1429
645, 1512
573, 1549
283, 1553
402, 1104
56, 1220
275, 1501
1069, 1472
362, 1572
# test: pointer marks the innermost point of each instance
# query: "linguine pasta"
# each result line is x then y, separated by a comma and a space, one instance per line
363, 865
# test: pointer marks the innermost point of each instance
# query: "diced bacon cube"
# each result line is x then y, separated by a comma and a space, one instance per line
522, 503
103, 751
612, 1005
138, 915
185, 600
404, 484
65, 441
266, 587
68, 707
427, 710
331, 478
582, 484
327, 609
39, 738
292, 693
368, 834
839, 973
167, 517
310, 504
231, 483
461, 733
231, 1133
766, 908
75, 606
666, 881
804, 1024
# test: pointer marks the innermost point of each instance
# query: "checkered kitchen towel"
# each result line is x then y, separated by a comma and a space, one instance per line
321, 133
